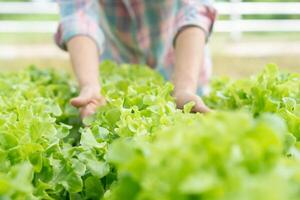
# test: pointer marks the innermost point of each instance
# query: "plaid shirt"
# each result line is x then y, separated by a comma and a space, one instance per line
135, 31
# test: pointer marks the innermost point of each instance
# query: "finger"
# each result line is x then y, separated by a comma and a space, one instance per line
98, 102
80, 101
180, 102
86, 111
201, 107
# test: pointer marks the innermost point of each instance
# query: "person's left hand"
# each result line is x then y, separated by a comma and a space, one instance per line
184, 97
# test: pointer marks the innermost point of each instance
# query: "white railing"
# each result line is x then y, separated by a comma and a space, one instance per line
28, 8
236, 25
235, 9
13, 26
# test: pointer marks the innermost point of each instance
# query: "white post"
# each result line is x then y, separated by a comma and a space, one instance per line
235, 16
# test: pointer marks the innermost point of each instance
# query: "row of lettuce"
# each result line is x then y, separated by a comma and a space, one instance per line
139, 146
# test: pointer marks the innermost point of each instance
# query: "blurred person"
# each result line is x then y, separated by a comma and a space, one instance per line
167, 35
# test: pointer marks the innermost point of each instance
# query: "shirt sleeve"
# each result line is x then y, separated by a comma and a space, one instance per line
199, 13
79, 17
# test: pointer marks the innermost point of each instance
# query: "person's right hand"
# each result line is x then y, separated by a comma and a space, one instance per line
88, 100
183, 97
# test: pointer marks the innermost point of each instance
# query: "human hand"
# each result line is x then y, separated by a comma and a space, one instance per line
88, 100
183, 97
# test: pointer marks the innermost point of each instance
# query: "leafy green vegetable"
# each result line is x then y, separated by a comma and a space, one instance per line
220, 156
139, 146
270, 91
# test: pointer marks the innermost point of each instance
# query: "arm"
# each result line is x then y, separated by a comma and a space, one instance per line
193, 25
189, 52
84, 57
80, 34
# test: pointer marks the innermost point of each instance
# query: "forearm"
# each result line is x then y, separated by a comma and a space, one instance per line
85, 61
189, 53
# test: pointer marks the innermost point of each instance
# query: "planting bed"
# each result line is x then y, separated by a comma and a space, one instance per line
139, 146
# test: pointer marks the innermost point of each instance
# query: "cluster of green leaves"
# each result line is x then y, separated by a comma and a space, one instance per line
159, 152
33, 105
270, 91
219, 156
64, 162
139, 102
139, 146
